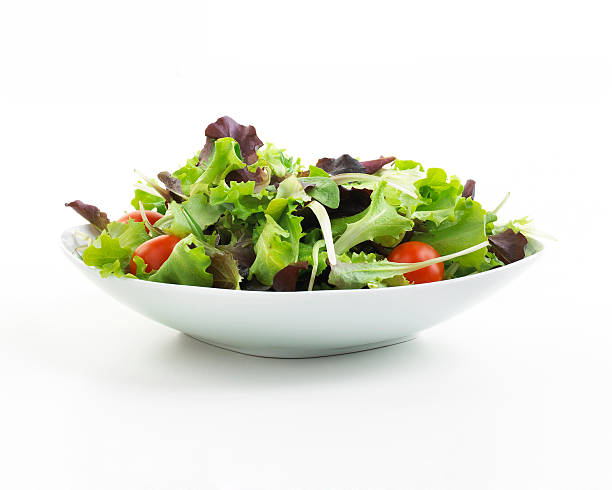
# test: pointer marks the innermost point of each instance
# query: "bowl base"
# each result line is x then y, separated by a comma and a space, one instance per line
303, 353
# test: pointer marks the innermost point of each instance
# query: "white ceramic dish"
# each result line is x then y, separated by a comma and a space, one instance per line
298, 324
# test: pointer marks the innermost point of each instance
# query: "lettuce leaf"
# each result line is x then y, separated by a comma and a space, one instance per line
292, 188
112, 250
344, 164
106, 250
281, 164
188, 174
186, 265
149, 201
277, 246
198, 206
379, 219
224, 161
224, 127
240, 198
465, 230
91, 213
323, 189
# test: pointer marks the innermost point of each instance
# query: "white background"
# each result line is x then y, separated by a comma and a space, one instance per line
513, 394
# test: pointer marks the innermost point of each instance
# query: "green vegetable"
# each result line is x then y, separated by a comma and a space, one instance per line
325, 190
250, 217
239, 198
380, 219
203, 213
277, 246
186, 265
224, 161
466, 230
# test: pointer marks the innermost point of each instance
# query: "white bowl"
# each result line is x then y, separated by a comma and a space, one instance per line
298, 324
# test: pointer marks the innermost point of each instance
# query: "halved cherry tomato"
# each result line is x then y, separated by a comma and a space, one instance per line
154, 252
411, 252
152, 216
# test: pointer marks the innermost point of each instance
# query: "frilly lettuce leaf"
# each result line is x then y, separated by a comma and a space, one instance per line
379, 219
188, 174
186, 265
224, 161
277, 246
276, 159
149, 201
407, 164
224, 127
198, 206
465, 230
106, 250
112, 250
240, 198
130, 234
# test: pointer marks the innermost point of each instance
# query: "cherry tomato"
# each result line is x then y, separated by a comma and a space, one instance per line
411, 252
154, 252
152, 216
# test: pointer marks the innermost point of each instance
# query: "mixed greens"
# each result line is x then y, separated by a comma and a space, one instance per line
241, 215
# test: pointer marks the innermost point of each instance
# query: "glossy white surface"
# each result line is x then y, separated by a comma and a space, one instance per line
299, 324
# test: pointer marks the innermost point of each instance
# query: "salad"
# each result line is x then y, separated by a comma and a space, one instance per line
244, 215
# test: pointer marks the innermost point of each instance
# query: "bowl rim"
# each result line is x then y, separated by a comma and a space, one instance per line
71, 255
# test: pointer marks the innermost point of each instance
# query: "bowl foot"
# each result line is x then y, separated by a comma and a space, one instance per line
303, 353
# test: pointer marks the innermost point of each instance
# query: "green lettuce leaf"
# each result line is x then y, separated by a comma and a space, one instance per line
186, 265
240, 198
379, 219
465, 230
149, 201
277, 246
291, 188
325, 190
275, 158
224, 161
106, 250
188, 174
130, 235
112, 250
198, 206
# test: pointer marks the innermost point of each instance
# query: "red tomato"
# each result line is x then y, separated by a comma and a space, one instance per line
152, 216
154, 252
411, 252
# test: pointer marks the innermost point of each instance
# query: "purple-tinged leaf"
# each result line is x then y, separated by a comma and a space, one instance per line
261, 177
224, 127
344, 164
286, 278
508, 246
373, 166
91, 213
173, 186
352, 202
243, 253
469, 189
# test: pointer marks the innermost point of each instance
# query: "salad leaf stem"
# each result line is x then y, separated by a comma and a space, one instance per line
153, 230
315, 262
501, 204
355, 177
321, 214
